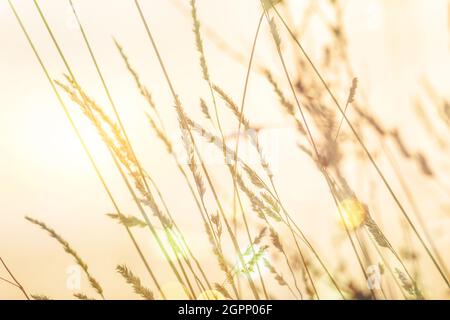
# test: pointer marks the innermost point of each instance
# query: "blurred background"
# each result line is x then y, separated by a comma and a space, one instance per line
399, 50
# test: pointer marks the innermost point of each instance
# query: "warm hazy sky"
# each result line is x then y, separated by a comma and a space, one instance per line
44, 173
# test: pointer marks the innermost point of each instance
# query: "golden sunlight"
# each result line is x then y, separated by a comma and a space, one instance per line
352, 213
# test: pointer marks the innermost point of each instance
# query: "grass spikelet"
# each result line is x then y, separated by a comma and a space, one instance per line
82, 296
423, 164
150, 201
350, 99
199, 41
409, 285
374, 123
40, 297
277, 276
205, 109
196, 174
352, 92
246, 123
129, 221
222, 290
275, 238
281, 97
271, 201
445, 112
275, 33
254, 178
217, 251
160, 134
108, 130
159, 131
256, 258
284, 102
260, 236
135, 282
400, 143
211, 138
258, 205
223, 264
68, 249
184, 123
209, 232
376, 232
232, 106
142, 89
215, 219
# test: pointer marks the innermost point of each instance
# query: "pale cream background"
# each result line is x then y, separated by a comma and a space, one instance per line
44, 172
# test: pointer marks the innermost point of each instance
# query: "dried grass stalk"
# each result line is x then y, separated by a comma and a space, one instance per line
135, 282
68, 249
